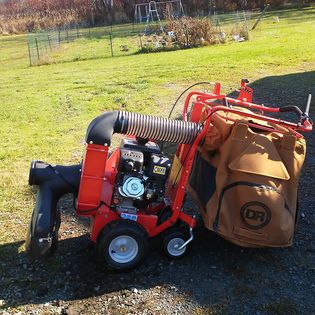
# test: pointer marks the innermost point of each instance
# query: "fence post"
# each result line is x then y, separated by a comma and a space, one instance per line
29, 52
246, 25
111, 43
89, 33
59, 36
49, 41
260, 16
77, 31
67, 34
186, 35
37, 48
140, 40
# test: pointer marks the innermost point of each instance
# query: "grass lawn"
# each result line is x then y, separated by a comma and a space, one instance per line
45, 110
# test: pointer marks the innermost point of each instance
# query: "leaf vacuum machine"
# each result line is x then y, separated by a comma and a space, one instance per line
136, 192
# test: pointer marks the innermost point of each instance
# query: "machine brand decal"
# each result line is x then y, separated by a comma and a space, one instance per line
255, 215
161, 170
128, 216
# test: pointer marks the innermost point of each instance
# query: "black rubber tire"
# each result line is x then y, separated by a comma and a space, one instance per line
120, 228
171, 234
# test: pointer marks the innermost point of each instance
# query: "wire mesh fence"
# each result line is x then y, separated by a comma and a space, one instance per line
111, 40
40, 44
52, 45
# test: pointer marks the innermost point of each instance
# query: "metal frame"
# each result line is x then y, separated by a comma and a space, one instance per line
142, 9
152, 15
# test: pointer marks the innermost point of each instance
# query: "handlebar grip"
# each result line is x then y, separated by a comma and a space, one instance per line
291, 108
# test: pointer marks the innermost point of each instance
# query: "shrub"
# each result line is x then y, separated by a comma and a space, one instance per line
194, 32
183, 33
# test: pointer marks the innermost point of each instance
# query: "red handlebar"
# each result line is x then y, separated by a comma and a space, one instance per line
244, 100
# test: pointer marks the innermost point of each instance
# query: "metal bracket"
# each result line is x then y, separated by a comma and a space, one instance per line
189, 240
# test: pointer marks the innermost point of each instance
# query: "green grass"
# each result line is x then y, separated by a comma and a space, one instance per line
45, 110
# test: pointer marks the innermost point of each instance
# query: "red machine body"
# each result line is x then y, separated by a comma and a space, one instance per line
97, 188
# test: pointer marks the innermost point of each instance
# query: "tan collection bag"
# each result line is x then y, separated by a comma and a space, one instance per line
245, 182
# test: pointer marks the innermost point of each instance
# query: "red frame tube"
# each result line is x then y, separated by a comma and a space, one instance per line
204, 98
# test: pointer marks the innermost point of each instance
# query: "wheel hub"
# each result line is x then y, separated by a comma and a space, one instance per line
174, 245
123, 249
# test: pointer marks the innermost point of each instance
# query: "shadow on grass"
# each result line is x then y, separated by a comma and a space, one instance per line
215, 271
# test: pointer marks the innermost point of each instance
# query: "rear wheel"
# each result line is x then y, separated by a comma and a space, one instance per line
122, 245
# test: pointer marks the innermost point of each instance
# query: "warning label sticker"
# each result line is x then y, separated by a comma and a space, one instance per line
161, 170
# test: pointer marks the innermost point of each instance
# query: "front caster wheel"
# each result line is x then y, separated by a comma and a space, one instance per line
172, 242
122, 245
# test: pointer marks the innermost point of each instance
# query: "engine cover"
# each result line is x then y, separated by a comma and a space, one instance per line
131, 161
132, 188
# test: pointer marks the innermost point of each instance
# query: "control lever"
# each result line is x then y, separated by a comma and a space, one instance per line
308, 104
305, 115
